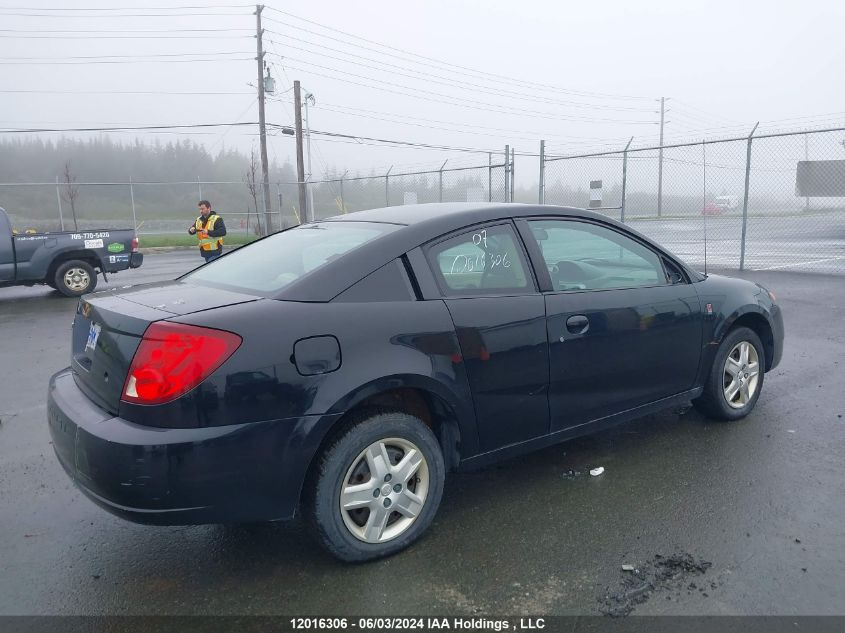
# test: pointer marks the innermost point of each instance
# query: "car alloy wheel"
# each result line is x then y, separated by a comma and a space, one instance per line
741, 375
736, 376
376, 486
384, 490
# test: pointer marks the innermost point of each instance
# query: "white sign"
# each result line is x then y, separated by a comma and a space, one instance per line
93, 243
595, 193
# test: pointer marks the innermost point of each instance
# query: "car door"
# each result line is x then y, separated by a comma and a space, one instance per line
500, 320
624, 324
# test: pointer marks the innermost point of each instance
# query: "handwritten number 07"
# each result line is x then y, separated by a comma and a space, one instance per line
480, 239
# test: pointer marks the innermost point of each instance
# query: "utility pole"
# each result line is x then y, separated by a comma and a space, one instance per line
300, 161
262, 129
309, 98
660, 159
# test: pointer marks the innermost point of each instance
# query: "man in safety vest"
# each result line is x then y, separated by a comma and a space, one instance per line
209, 229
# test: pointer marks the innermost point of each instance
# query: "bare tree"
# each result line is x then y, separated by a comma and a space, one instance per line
70, 193
252, 184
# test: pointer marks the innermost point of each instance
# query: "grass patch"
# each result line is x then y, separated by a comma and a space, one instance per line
165, 239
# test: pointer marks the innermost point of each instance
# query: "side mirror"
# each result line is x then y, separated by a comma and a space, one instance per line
540, 234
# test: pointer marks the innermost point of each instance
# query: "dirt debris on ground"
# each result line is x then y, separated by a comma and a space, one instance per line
662, 574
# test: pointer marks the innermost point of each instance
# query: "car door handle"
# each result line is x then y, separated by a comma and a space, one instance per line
577, 324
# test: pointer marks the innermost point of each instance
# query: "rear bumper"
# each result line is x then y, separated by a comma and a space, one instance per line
225, 474
116, 263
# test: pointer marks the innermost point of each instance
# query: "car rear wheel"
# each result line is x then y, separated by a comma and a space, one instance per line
74, 278
736, 377
376, 488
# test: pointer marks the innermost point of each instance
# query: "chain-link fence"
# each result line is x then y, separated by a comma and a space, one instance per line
487, 183
768, 202
165, 208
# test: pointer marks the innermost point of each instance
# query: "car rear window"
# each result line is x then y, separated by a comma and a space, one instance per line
272, 263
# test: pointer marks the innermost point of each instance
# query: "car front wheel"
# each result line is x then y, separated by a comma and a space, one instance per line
376, 488
736, 377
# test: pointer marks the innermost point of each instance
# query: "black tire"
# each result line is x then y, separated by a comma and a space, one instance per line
74, 278
714, 401
343, 464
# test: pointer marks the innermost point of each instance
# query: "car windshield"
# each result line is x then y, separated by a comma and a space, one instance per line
269, 265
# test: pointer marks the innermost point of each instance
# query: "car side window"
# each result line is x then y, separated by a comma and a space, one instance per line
586, 256
485, 260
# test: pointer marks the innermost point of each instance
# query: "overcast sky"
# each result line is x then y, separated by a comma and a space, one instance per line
473, 75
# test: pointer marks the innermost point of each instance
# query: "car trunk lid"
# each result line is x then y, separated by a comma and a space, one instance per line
108, 328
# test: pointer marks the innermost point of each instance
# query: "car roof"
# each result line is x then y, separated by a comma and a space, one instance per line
442, 217
417, 225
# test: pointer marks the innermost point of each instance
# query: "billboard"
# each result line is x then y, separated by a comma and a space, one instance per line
820, 178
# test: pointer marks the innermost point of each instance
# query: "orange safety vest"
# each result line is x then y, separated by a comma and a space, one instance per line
208, 243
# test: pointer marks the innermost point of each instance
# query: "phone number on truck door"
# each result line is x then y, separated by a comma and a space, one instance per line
89, 236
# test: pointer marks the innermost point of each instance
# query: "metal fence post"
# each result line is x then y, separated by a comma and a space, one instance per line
513, 164
541, 198
806, 158
387, 187
440, 195
132, 198
745, 198
267, 230
489, 176
507, 171
199, 186
59, 202
342, 202
279, 194
624, 180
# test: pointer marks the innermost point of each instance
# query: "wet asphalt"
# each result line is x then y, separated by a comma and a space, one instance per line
761, 500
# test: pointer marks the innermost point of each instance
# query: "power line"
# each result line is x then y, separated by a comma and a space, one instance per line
449, 82
511, 134
121, 128
407, 143
705, 112
472, 103
119, 37
124, 61
443, 63
166, 8
140, 55
121, 92
381, 115
117, 15
121, 31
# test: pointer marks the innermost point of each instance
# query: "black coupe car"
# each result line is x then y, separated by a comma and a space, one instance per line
343, 367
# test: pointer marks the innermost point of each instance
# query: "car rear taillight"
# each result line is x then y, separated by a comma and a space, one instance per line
134, 244
173, 358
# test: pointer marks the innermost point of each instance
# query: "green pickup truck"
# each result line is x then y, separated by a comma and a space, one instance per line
67, 261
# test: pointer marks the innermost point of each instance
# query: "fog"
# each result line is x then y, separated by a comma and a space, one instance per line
471, 75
